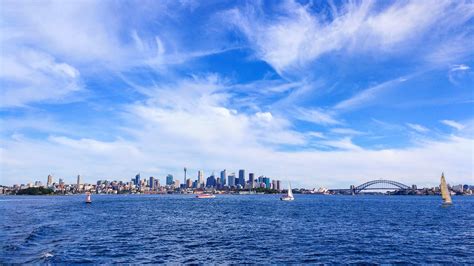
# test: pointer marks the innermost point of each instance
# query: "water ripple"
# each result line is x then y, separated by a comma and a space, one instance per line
236, 229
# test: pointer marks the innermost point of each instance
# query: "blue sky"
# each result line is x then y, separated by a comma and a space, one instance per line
322, 94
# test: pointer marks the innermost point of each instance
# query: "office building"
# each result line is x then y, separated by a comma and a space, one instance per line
231, 180
151, 182
78, 183
185, 178
189, 183
266, 181
137, 180
200, 179
211, 181
278, 185
241, 178
223, 177
169, 180
251, 179
49, 181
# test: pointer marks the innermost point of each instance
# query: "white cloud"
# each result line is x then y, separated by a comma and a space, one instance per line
453, 124
343, 144
369, 95
158, 154
460, 67
346, 131
297, 36
316, 134
316, 116
28, 76
418, 128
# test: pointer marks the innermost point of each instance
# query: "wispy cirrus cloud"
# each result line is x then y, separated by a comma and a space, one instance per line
368, 96
316, 116
418, 128
297, 36
28, 76
453, 124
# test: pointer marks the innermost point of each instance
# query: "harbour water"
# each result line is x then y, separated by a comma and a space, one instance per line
235, 229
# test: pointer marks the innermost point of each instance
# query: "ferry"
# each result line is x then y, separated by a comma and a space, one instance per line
205, 196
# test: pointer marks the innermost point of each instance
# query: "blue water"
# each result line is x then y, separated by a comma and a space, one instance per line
236, 229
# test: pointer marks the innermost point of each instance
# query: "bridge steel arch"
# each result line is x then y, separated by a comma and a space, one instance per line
366, 185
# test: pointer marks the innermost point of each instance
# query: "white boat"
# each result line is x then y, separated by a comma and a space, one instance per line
445, 195
289, 195
205, 196
88, 197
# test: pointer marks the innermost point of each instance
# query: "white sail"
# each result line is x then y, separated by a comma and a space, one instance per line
290, 192
444, 191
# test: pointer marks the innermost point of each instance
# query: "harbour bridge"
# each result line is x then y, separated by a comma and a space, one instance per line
379, 184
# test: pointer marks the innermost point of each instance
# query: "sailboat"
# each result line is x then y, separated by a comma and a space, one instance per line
288, 196
88, 197
445, 192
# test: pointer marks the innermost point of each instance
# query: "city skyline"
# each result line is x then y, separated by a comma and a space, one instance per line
321, 94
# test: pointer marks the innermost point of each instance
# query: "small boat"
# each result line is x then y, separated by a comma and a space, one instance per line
445, 195
88, 197
288, 196
205, 196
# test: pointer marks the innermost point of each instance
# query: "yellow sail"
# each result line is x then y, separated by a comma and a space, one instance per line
444, 191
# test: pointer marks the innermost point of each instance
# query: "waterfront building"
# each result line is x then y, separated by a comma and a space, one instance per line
78, 183
241, 178
266, 181
151, 182
189, 183
200, 178
211, 181
37, 184
176, 183
278, 185
185, 178
231, 180
274, 184
223, 176
169, 180
49, 182
251, 179
137, 180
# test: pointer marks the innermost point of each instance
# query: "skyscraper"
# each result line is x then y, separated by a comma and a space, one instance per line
169, 180
189, 183
137, 180
241, 178
223, 177
50, 181
151, 182
266, 180
200, 178
211, 181
79, 181
278, 185
185, 179
251, 179
231, 180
